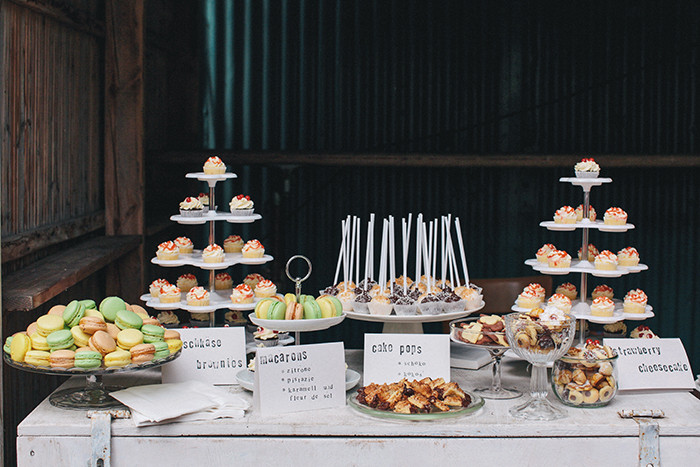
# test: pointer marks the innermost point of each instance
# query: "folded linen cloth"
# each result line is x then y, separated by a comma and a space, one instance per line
180, 402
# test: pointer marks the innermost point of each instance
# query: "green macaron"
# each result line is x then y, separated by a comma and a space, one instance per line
61, 339
110, 306
87, 359
88, 304
162, 350
126, 319
8, 343
73, 313
277, 310
152, 333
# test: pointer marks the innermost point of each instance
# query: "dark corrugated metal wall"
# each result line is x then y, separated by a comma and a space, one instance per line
464, 77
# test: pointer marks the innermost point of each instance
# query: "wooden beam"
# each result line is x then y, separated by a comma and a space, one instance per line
17, 246
65, 13
30, 287
124, 135
197, 158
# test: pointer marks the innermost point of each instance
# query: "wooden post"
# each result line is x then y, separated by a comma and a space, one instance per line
124, 139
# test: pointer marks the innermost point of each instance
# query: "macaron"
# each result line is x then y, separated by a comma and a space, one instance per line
61, 339
277, 310
88, 359
161, 350
89, 304
126, 319
113, 330
174, 345
142, 353
138, 309
110, 306
73, 312
102, 342
171, 334
94, 312
152, 333
150, 320
8, 343
128, 338
37, 358
56, 310
118, 358
20, 345
62, 359
32, 328
80, 337
39, 342
92, 324
47, 324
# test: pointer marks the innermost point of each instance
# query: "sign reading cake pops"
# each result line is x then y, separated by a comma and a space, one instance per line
391, 357
214, 355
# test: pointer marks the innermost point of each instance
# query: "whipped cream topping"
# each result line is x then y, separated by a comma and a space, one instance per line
604, 290
187, 277
241, 292
636, 296
197, 293
241, 202
559, 300
592, 251
233, 239
168, 247
529, 294
169, 290
252, 245
203, 198
214, 162
587, 165
546, 249
629, 252
615, 213
158, 283
643, 332
603, 302
606, 256
265, 334
553, 314
558, 255
222, 276
567, 287
253, 279
183, 242
565, 212
213, 251
190, 204
266, 286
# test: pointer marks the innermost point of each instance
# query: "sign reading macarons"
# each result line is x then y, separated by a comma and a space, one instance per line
214, 355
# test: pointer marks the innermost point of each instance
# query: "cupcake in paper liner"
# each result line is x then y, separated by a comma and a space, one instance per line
191, 207
453, 302
587, 168
380, 305
430, 304
347, 298
241, 205
404, 305
361, 303
204, 199
265, 337
471, 295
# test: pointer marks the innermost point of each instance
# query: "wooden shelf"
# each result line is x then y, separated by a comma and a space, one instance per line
34, 285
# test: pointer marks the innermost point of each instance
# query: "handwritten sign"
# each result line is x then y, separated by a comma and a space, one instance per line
214, 355
652, 364
391, 357
299, 377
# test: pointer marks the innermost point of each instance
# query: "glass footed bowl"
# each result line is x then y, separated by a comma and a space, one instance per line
539, 342
585, 382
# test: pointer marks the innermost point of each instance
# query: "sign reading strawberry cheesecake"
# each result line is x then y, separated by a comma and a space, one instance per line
652, 364
299, 377
391, 357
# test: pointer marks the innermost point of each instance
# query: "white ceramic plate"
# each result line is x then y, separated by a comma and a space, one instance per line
217, 300
586, 267
413, 318
302, 325
195, 259
252, 347
215, 216
201, 176
246, 379
585, 224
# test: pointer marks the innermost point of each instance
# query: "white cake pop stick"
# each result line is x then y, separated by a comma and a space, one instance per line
392, 253
419, 245
382, 256
357, 257
341, 253
461, 251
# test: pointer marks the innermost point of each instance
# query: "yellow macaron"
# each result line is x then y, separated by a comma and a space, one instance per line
47, 324
128, 338
39, 342
174, 345
21, 344
80, 337
37, 358
118, 358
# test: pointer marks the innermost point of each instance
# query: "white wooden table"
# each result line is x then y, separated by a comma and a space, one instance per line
590, 437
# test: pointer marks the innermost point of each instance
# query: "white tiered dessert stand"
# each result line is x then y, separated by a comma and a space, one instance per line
218, 299
581, 308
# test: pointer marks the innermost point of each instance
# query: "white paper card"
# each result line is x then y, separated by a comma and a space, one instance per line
299, 377
391, 357
213, 355
652, 364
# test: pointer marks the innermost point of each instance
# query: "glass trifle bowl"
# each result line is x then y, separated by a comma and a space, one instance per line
540, 336
486, 332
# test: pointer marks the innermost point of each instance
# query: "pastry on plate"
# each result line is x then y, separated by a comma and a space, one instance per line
615, 216
184, 244
628, 256
168, 251
587, 168
214, 166
567, 289
565, 215
606, 260
213, 254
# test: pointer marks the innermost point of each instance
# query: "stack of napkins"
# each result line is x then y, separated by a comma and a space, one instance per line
180, 402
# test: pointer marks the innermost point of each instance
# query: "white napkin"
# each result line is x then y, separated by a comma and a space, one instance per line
180, 402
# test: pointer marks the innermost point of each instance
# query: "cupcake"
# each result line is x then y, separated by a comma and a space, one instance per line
253, 249
198, 296
618, 329
592, 252
265, 288
606, 260
204, 199
199, 318
168, 251
579, 213
154, 288
602, 291
560, 301
169, 294
567, 289
380, 305
602, 306
252, 279
213, 254
544, 251
565, 215
223, 281
628, 256
529, 299
558, 259
615, 216
241, 205
265, 337
186, 281
242, 294
635, 301
191, 207
472, 297
184, 244
234, 317
587, 168
643, 332
214, 166
233, 244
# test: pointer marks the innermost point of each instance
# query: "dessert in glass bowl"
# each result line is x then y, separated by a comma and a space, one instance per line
540, 336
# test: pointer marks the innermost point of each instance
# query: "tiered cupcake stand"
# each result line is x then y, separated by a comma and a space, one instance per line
218, 299
581, 308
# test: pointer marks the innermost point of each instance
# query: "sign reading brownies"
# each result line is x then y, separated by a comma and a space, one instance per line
213, 355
